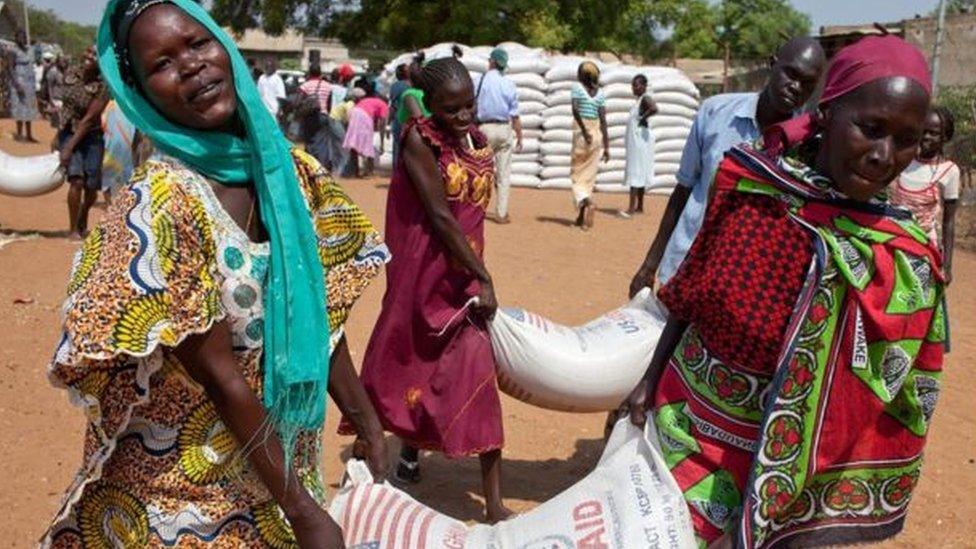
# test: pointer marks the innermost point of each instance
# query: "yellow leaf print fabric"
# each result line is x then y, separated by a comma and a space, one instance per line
159, 467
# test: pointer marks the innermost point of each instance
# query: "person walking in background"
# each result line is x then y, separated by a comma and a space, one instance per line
722, 122
23, 87
929, 187
412, 99
589, 140
367, 117
429, 368
498, 118
341, 78
317, 87
639, 139
271, 87
401, 85
81, 140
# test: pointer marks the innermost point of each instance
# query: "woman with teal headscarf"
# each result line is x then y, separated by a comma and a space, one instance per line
205, 311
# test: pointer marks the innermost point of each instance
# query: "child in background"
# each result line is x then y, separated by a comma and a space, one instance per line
639, 170
929, 187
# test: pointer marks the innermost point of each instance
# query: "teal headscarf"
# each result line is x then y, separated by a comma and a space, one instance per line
296, 327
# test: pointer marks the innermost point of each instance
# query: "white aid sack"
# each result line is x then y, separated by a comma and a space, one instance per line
615, 177
661, 121
557, 183
557, 136
529, 144
558, 123
589, 368
629, 500
529, 94
556, 148
531, 107
562, 85
532, 133
528, 80
553, 172
29, 175
677, 98
520, 180
556, 160
531, 121
558, 110
526, 168
670, 145
535, 64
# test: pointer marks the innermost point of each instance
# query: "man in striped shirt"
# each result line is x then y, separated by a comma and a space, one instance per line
316, 86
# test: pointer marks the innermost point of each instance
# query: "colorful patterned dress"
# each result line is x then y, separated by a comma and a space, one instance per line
429, 367
794, 410
160, 468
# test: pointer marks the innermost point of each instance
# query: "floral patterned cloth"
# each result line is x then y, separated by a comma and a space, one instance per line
805, 310
160, 468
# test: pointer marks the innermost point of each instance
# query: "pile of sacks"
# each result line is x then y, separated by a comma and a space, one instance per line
544, 82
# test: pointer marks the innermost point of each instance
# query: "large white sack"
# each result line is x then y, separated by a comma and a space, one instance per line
514, 49
618, 118
559, 110
614, 164
617, 74
529, 94
520, 180
565, 136
552, 172
615, 177
561, 85
29, 175
620, 104
529, 144
630, 499
670, 121
530, 158
526, 168
557, 183
676, 109
535, 64
556, 160
663, 134
529, 80
617, 151
565, 68
559, 97
619, 91
531, 107
556, 148
616, 132
558, 123
589, 368
674, 85
667, 157
532, 121
670, 145
678, 98
532, 133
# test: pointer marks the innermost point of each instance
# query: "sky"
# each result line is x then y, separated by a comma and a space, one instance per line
823, 12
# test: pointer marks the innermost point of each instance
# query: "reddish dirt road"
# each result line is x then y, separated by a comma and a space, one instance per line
539, 262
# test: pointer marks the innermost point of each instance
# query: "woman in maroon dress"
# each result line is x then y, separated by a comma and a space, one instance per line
429, 367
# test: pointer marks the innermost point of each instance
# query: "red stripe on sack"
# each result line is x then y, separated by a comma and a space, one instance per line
378, 530
424, 528
359, 512
373, 506
408, 530
391, 538
347, 512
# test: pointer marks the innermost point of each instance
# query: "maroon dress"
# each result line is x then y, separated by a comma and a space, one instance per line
429, 367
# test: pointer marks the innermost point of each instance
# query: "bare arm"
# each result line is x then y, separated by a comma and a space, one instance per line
642, 397
517, 126
648, 269
350, 397
948, 236
426, 179
209, 360
606, 135
413, 107
91, 120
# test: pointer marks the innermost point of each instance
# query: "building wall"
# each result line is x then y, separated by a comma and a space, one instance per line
958, 58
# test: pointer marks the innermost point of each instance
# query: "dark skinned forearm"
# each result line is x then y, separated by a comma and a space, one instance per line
948, 232
348, 393
209, 360
87, 123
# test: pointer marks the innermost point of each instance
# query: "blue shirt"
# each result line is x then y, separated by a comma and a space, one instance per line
497, 98
722, 122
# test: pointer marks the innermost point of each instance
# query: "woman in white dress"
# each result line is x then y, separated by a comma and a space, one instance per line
639, 170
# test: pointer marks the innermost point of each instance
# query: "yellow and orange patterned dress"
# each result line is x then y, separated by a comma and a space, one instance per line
160, 468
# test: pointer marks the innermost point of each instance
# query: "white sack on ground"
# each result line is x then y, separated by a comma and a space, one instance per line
526, 168
589, 368
553, 172
630, 499
556, 160
520, 180
29, 175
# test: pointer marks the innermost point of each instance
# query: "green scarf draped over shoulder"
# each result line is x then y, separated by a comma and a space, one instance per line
296, 328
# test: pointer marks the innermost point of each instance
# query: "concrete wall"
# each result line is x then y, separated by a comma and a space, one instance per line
957, 66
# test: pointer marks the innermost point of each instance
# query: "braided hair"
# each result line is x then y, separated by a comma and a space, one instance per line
437, 73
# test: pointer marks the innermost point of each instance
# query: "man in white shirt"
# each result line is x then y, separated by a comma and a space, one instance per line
271, 87
498, 117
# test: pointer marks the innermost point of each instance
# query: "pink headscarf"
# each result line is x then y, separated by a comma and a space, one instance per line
869, 59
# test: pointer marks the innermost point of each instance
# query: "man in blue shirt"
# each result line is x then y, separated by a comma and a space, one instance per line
498, 116
722, 122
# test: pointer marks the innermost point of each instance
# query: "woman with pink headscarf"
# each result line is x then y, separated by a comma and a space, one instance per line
794, 383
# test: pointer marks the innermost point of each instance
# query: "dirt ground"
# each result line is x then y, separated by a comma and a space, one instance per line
539, 262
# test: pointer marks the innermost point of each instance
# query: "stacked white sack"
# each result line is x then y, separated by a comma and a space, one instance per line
526, 68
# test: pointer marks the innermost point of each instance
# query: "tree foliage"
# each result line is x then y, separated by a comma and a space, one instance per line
46, 26
650, 28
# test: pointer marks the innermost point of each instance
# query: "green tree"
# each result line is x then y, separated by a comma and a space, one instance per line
45, 26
